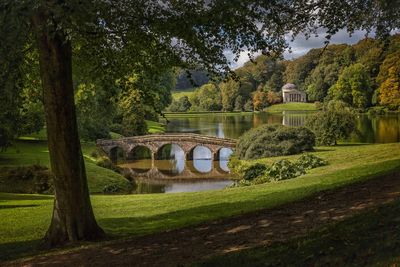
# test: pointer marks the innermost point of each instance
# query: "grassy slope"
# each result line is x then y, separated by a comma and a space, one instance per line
155, 127
123, 215
35, 152
292, 107
336, 245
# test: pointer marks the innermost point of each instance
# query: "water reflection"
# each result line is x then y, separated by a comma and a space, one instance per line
170, 172
170, 160
224, 154
371, 128
202, 159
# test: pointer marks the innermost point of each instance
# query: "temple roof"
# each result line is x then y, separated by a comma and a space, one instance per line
289, 86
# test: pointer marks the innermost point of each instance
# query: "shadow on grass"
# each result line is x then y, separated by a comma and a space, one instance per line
11, 196
16, 206
371, 238
10, 251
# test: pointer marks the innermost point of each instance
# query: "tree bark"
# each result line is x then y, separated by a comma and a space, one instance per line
73, 217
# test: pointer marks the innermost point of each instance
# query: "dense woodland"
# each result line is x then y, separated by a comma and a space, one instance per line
363, 75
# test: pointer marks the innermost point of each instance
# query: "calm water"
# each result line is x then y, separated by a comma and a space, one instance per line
172, 173
371, 129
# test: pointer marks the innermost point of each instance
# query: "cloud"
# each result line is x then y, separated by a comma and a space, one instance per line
301, 45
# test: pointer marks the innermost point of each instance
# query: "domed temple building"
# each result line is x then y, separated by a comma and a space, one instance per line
290, 93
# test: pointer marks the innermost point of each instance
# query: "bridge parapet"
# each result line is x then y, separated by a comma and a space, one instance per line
154, 142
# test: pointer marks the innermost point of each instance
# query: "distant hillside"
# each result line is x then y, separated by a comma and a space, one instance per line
363, 75
198, 79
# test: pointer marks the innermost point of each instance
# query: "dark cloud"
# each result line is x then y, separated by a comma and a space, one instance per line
301, 45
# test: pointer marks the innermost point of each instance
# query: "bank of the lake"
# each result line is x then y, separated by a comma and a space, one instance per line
292, 106
131, 215
205, 113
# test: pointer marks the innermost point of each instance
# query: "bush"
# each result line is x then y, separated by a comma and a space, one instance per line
35, 179
336, 121
309, 161
280, 170
378, 110
112, 188
237, 166
94, 154
254, 171
284, 169
274, 140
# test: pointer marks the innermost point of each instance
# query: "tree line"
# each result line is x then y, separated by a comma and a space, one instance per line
362, 75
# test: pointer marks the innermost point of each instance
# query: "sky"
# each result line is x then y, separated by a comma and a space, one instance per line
301, 45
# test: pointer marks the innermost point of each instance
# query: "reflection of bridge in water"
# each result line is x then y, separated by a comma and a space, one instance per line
159, 170
157, 150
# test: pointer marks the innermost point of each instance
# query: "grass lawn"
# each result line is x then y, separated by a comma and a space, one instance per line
28, 152
155, 127
126, 215
291, 107
178, 94
368, 239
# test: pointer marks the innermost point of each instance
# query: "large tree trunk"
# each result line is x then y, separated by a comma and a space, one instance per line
73, 217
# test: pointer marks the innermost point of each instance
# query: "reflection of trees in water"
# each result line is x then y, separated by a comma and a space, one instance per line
364, 130
371, 128
140, 187
165, 152
388, 129
140, 152
170, 166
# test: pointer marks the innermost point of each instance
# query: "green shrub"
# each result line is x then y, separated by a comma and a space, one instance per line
237, 166
94, 154
35, 179
336, 121
112, 188
378, 110
309, 161
280, 170
254, 171
274, 140
284, 169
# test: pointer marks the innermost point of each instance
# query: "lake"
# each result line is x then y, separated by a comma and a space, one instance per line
174, 174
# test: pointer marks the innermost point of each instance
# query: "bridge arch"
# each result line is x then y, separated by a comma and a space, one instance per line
203, 161
223, 153
199, 166
139, 152
117, 154
191, 151
169, 151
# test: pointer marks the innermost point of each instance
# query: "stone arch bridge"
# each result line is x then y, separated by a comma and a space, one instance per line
154, 142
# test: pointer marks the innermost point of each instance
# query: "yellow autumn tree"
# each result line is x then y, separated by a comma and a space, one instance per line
389, 91
260, 100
